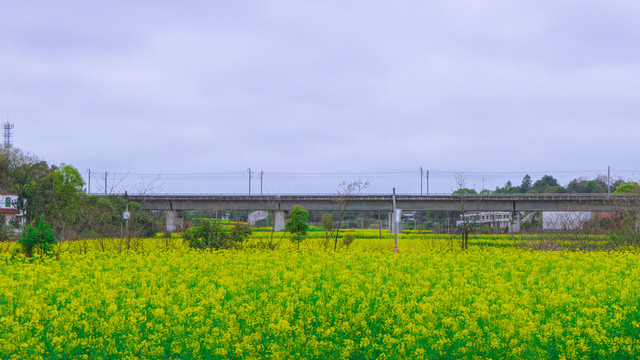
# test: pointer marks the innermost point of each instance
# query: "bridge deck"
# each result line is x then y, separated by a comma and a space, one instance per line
439, 202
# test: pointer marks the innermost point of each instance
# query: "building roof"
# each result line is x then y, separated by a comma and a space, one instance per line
9, 212
4, 191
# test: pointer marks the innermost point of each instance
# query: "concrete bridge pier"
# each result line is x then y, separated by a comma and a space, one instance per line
279, 220
174, 220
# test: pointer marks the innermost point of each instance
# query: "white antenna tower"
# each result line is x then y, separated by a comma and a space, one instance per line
8, 132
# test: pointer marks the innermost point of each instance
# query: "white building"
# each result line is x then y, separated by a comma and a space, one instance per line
8, 202
498, 220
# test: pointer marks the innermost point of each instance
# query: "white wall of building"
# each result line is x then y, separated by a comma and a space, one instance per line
564, 220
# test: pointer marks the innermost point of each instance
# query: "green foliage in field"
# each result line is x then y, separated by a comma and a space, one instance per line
39, 238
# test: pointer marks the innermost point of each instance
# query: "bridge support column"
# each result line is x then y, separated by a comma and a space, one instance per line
392, 224
514, 224
174, 221
278, 224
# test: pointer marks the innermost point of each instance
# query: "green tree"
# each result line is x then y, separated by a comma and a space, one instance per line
507, 189
586, 186
548, 184
575, 187
592, 187
18, 169
526, 184
297, 224
465, 191
58, 197
555, 190
628, 188
37, 238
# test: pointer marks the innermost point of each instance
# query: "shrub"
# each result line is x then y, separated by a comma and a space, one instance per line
39, 238
240, 232
347, 239
214, 235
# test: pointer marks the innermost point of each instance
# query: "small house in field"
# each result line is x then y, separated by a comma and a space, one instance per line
8, 209
497, 220
256, 216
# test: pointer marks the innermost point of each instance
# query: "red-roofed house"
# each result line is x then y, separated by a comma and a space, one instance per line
8, 203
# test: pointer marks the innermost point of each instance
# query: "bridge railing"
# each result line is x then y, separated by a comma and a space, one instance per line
470, 197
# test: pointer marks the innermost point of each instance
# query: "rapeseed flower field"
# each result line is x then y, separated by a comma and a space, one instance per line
164, 301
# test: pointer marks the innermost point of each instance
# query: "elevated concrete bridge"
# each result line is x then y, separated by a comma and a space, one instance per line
174, 205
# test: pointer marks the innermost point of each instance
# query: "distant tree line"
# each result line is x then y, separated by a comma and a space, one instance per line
548, 184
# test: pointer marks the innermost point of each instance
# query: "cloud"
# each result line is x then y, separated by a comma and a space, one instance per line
323, 87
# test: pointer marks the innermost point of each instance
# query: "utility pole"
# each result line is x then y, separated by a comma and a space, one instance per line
105, 182
421, 176
249, 171
261, 175
608, 180
427, 182
89, 181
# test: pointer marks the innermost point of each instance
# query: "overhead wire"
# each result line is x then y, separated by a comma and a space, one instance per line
370, 174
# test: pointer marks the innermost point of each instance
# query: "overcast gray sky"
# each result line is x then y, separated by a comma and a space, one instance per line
371, 89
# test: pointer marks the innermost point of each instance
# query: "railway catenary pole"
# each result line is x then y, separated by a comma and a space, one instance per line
427, 182
608, 180
261, 175
421, 176
249, 171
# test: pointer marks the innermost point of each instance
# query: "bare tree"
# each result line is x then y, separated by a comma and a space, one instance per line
468, 224
346, 191
624, 222
117, 184
327, 226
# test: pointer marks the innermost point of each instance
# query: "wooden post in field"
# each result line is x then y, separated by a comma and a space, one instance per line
125, 216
